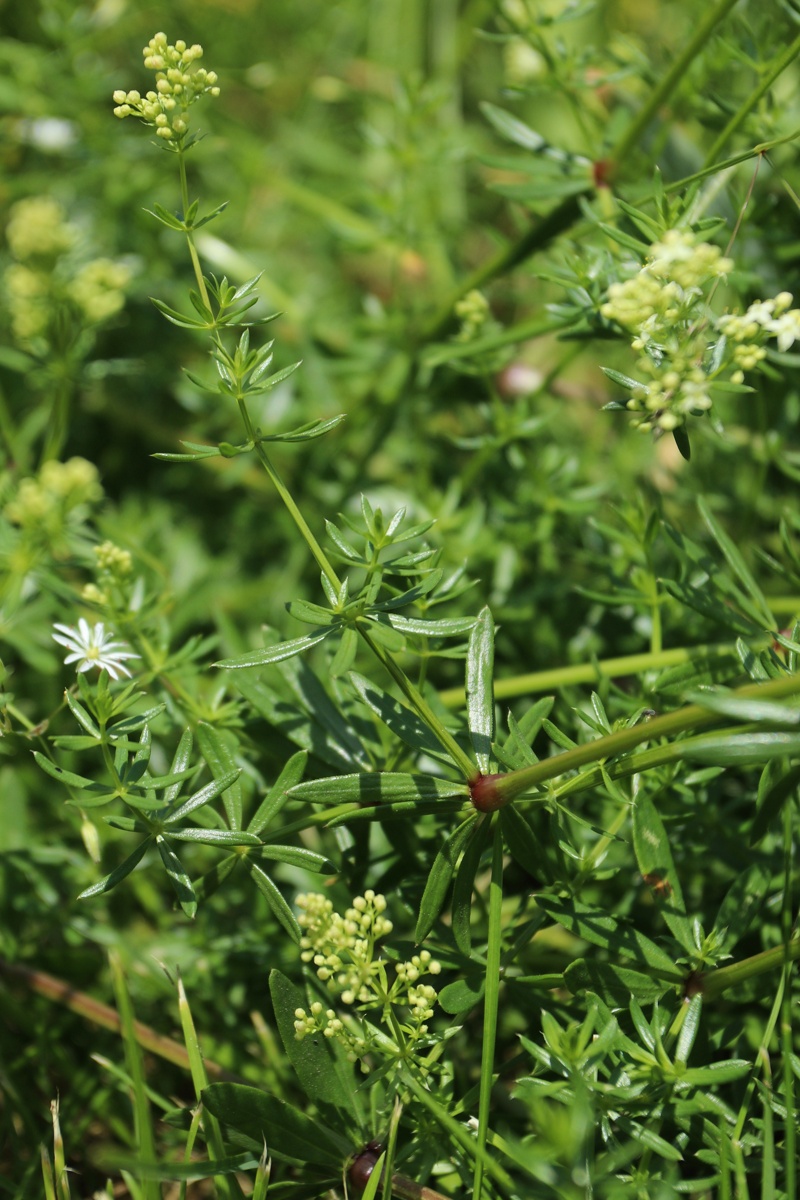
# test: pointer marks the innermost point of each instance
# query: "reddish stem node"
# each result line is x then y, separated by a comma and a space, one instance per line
484, 793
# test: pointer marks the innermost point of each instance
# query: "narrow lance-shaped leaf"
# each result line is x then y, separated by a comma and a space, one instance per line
132, 724
274, 654
613, 983
278, 794
345, 654
218, 749
654, 858
298, 856
275, 900
466, 871
479, 689
66, 777
116, 876
206, 794
82, 716
306, 433
180, 763
215, 837
325, 1076
739, 749
742, 904
440, 876
376, 788
736, 562
402, 721
289, 1133
610, 932
180, 881
772, 803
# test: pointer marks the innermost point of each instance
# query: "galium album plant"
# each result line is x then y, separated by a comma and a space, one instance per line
499, 962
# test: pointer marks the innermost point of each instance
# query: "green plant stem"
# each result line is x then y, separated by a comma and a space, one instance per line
59, 417
463, 1137
143, 1121
420, 704
787, 1049
633, 134
226, 1186
779, 65
720, 980
491, 1005
680, 185
318, 553
415, 697
691, 716
567, 212
631, 664
539, 236
198, 272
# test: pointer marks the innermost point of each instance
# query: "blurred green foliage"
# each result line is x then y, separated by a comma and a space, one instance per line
394, 210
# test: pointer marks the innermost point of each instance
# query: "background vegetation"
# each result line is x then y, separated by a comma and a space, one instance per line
375, 175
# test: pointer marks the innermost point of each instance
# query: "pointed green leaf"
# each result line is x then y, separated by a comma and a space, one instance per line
81, 716
655, 861
216, 837
461, 906
325, 1076
311, 614
116, 876
513, 129
402, 721
219, 748
611, 933
384, 787
772, 803
422, 627
479, 685
278, 794
133, 724
742, 904
298, 856
338, 746
273, 654
180, 763
69, 778
206, 794
746, 708
440, 876
736, 562
463, 994
75, 741
739, 749
345, 654
306, 433
166, 218
721, 1072
522, 843
289, 1133
616, 985
180, 881
275, 900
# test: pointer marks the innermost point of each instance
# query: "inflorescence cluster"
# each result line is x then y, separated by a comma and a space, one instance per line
46, 281
683, 347
344, 951
179, 83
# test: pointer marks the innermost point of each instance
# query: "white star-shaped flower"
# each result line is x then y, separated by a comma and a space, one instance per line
786, 328
91, 646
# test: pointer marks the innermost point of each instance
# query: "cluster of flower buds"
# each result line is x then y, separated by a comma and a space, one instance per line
344, 951
179, 83
683, 347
